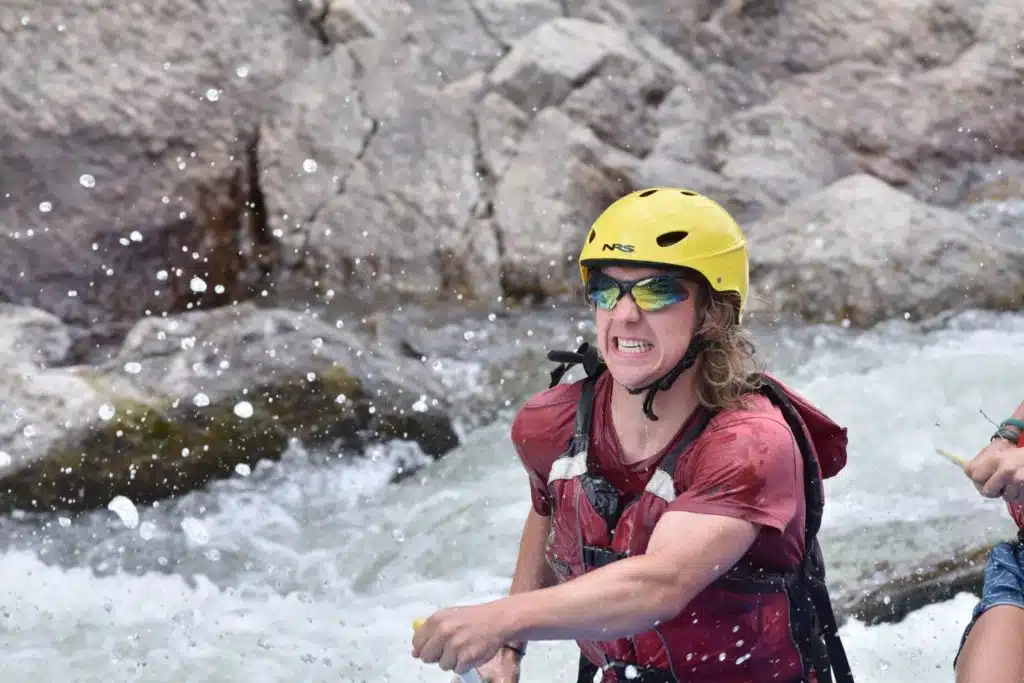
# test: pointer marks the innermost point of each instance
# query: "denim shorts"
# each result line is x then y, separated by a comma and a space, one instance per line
1004, 583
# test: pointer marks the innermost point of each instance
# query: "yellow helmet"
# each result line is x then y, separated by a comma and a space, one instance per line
671, 226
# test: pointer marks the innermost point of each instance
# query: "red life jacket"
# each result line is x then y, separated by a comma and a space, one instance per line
751, 625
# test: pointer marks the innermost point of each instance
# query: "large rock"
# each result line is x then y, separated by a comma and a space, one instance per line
929, 96
128, 164
193, 397
863, 251
176, 155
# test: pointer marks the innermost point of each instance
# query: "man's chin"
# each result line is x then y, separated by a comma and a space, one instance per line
635, 383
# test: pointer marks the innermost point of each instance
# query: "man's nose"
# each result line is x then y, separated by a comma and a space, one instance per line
626, 309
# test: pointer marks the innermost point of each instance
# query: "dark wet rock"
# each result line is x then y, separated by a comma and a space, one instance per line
893, 600
193, 397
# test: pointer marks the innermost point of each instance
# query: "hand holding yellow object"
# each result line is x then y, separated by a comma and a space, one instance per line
471, 676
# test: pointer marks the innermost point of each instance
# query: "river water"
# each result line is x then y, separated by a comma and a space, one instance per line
312, 568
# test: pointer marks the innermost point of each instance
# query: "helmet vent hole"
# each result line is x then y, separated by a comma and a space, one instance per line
647, 193
669, 238
688, 193
593, 234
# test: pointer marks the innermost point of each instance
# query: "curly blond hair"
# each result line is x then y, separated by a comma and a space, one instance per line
727, 369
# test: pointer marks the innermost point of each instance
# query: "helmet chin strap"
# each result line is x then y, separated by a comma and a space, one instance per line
664, 383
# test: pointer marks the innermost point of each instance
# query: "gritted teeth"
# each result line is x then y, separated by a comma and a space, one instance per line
632, 345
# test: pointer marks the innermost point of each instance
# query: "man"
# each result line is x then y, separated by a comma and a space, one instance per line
676, 491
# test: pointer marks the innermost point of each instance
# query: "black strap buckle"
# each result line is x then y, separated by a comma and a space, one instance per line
585, 355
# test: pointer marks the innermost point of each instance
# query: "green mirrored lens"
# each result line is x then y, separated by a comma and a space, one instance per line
656, 293
605, 297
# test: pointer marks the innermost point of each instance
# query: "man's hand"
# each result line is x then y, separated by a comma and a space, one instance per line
998, 471
459, 638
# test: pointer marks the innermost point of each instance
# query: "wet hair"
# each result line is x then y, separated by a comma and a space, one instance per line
727, 368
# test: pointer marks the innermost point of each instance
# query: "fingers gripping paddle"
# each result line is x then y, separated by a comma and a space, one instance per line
953, 458
471, 676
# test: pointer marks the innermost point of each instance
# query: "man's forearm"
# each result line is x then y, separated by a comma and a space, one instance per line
686, 553
621, 599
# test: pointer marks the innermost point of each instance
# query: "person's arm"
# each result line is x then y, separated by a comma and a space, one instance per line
746, 476
686, 553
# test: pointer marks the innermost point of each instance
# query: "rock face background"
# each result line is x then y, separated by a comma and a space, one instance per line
425, 150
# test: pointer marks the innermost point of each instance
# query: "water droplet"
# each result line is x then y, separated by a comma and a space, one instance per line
161, 275
5, 459
132, 368
65, 522
87, 180
197, 284
309, 166
125, 509
219, 289
195, 531
243, 470
147, 530
341, 398
45, 207
201, 400
136, 236
106, 412
213, 94
242, 71
243, 409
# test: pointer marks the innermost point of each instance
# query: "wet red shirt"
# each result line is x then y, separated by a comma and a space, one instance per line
745, 465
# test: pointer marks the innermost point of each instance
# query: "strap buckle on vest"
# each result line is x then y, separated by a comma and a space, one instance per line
595, 557
585, 354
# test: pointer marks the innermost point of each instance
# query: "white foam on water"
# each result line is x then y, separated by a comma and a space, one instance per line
313, 571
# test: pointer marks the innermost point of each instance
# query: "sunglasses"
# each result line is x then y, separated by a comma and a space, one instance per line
649, 293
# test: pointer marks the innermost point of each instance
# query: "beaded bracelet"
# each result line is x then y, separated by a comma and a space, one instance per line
1010, 430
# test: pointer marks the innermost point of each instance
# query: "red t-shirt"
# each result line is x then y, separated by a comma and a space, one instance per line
746, 464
